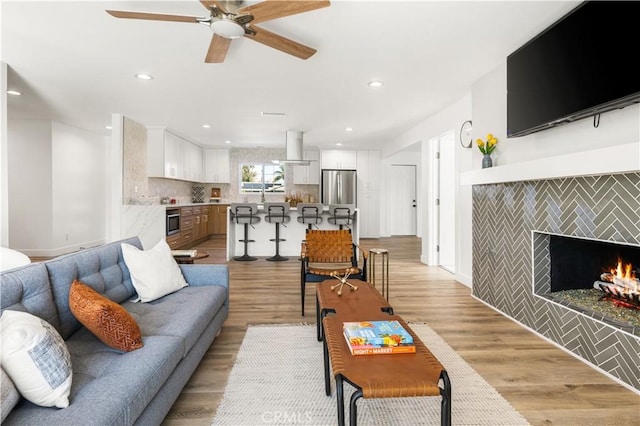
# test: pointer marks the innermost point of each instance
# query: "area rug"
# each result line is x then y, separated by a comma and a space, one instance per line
278, 379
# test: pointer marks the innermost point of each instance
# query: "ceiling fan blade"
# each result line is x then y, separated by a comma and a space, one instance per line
281, 43
152, 16
217, 50
274, 9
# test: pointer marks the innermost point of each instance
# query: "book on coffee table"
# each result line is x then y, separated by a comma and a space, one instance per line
377, 338
184, 253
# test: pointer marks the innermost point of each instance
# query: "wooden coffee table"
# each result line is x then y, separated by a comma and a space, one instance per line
188, 260
366, 300
382, 376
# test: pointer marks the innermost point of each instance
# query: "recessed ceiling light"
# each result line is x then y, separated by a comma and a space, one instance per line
14, 92
144, 76
206, 126
227, 142
376, 83
273, 114
107, 127
349, 129
338, 144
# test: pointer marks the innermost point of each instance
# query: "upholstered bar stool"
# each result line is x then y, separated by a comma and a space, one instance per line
277, 213
310, 214
245, 214
341, 215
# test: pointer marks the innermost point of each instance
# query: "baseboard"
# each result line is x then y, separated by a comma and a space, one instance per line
58, 251
464, 279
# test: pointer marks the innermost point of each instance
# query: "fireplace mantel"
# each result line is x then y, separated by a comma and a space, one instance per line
609, 160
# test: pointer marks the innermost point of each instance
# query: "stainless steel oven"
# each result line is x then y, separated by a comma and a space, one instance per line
173, 221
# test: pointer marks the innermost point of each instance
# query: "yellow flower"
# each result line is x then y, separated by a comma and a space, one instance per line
489, 146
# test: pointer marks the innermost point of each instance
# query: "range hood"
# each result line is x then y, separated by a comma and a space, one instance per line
295, 152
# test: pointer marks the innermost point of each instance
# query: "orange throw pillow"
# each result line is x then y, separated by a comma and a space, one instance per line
107, 320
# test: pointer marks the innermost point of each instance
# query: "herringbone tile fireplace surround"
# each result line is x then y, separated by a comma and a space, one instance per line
505, 216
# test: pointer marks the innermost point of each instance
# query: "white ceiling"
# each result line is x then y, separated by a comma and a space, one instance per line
75, 64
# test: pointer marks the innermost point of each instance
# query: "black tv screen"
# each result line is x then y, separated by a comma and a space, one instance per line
580, 66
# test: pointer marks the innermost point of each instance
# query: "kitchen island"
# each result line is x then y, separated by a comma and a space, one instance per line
293, 232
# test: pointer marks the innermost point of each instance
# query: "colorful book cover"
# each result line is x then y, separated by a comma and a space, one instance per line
378, 338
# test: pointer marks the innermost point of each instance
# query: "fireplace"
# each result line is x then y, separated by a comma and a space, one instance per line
580, 273
513, 223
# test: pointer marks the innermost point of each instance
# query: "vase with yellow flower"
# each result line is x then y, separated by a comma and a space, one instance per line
486, 148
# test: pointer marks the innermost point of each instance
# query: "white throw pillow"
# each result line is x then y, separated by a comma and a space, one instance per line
154, 273
36, 358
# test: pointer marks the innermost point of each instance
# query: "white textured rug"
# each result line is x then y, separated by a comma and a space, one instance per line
278, 380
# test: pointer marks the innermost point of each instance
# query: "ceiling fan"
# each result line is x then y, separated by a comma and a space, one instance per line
228, 21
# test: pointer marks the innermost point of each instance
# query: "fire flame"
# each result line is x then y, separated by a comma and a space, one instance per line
624, 275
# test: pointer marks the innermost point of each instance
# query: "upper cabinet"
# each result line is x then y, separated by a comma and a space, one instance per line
170, 156
338, 159
216, 165
307, 175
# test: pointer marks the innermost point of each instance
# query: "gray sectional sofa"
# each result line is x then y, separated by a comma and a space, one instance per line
111, 387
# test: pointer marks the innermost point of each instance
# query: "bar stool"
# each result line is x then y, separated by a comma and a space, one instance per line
341, 214
310, 214
277, 213
245, 214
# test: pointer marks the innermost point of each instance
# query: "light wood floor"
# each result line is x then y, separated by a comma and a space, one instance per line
547, 385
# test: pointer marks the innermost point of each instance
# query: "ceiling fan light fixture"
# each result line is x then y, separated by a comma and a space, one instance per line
227, 28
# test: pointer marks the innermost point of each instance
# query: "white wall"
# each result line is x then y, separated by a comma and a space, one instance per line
78, 176
4, 162
56, 187
451, 118
30, 186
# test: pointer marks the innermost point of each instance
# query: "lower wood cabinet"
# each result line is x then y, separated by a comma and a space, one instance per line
218, 220
198, 223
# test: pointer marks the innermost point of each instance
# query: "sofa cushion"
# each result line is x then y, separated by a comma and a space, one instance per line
36, 358
185, 313
9, 395
101, 268
110, 322
27, 289
154, 272
109, 387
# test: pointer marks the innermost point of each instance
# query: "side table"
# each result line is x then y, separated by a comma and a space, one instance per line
188, 260
384, 253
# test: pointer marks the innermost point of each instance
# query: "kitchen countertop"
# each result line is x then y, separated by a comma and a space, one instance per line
174, 206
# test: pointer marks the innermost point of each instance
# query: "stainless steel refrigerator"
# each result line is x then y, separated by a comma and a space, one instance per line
338, 187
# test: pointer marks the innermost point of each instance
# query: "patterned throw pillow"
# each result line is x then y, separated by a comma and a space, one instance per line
36, 359
107, 320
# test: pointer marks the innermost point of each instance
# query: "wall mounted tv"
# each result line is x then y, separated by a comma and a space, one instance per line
579, 67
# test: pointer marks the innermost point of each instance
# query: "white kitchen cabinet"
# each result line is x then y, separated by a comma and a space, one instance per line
216, 165
307, 175
368, 175
170, 156
338, 159
191, 161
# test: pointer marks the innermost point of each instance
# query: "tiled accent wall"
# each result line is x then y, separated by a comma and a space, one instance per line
504, 216
134, 161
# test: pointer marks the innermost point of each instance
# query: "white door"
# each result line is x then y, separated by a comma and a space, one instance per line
446, 195
403, 200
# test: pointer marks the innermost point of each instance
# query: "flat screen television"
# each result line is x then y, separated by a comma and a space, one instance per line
580, 66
